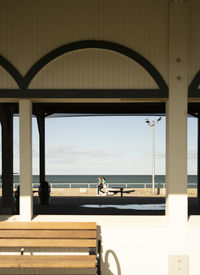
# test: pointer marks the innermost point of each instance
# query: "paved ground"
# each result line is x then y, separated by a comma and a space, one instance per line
107, 206
100, 206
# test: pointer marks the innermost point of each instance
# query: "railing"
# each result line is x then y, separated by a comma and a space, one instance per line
94, 185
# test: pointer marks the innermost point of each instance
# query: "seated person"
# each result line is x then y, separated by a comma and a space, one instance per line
100, 186
104, 190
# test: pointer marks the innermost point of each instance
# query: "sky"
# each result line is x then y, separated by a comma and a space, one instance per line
106, 145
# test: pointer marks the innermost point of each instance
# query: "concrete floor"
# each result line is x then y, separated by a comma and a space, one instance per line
99, 206
60, 205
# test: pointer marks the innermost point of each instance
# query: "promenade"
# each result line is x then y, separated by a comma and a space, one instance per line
84, 201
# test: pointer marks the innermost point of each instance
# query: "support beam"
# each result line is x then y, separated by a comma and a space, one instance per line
176, 113
198, 160
26, 197
41, 128
6, 117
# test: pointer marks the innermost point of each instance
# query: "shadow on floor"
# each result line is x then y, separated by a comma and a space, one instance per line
193, 206
101, 206
108, 206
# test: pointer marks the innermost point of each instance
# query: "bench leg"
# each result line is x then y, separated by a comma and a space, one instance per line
99, 258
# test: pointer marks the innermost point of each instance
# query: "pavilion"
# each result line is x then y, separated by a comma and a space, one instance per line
106, 57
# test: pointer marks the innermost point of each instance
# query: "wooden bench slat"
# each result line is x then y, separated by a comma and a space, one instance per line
48, 225
77, 236
48, 234
41, 261
48, 243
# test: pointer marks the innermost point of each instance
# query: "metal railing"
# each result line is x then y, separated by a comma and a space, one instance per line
94, 185
109, 185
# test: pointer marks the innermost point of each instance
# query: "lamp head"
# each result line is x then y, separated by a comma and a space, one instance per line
147, 121
159, 119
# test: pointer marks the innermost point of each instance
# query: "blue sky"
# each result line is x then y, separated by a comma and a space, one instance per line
103, 145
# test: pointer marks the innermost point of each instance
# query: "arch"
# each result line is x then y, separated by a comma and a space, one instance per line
193, 90
23, 82
98, 44
13, 72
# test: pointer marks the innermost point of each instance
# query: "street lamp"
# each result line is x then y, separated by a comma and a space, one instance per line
152, 124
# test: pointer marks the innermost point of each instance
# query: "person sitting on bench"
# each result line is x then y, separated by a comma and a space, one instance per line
104, 190
100, 186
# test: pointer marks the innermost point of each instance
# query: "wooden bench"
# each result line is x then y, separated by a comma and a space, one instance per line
74, 236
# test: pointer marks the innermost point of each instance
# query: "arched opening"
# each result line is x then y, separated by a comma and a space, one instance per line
158, 94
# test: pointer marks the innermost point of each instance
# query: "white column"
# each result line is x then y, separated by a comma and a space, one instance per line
26, 197
176, 112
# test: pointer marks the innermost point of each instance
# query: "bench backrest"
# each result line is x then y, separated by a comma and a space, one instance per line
48, 234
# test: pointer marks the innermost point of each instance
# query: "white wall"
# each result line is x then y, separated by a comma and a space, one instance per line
194, 244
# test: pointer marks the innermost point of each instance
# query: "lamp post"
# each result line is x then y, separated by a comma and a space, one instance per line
152, 124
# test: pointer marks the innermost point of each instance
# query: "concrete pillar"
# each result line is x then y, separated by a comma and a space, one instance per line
176, 147
41, 128
6, 117
26, 197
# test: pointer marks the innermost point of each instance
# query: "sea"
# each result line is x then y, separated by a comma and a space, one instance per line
90, 181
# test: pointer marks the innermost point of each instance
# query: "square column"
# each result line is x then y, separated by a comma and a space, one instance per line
6, 117
26, 193
41, 128
176, 169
